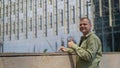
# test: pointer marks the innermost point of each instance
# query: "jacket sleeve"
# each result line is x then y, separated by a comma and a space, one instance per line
89, 53
70, 50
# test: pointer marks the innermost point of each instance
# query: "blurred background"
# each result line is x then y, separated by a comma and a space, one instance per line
34, 26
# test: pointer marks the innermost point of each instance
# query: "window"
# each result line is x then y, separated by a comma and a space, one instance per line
50, 2
109, 34
14, 9
22, 6
30, 24
7, 10
40, 3
30, 4
68, 16
0, 12
6, 28
22, 26
0, 30
46, 28
14, 27
18, 25
62, 17
51, 20
40, 22
73, 14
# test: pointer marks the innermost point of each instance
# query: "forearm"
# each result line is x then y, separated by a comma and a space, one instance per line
82, 53
70, 50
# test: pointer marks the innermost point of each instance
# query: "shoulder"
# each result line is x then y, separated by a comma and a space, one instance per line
93, 36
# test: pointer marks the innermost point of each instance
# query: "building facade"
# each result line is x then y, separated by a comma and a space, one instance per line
40, 25
107, 23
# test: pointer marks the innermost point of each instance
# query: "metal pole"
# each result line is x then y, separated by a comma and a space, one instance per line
92, 11
119, 5
103, 37
100, 7
110, 23
110, 14
113, 48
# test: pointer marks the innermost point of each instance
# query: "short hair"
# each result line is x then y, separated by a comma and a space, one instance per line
81, 19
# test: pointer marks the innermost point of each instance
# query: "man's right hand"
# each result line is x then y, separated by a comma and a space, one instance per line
62, 48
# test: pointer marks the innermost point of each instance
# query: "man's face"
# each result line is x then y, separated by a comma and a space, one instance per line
85, 26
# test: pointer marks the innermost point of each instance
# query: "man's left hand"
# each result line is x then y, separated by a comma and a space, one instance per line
70, 43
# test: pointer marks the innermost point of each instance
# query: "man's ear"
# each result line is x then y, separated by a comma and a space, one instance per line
90, 25
91, 28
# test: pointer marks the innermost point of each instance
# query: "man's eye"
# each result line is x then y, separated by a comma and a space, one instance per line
80, 24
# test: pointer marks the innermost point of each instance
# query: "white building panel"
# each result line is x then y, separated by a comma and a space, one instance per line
26, 41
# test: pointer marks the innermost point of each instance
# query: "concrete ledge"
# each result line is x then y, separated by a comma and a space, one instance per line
110, 60
52, 60
33, 54
37, 60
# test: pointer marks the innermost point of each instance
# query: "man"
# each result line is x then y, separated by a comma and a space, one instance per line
89, 50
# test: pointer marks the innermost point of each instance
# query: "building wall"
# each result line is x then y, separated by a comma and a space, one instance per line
107, 23
35, 25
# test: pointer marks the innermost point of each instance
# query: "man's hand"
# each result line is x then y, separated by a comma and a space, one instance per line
63, 49
70, 44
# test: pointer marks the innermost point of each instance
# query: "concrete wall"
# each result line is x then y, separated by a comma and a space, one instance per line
110, 60
52, 60
37, 61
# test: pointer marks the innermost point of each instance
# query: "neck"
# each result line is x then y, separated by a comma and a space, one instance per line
84, 34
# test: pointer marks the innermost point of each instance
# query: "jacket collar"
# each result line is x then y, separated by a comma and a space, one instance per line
88, 34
